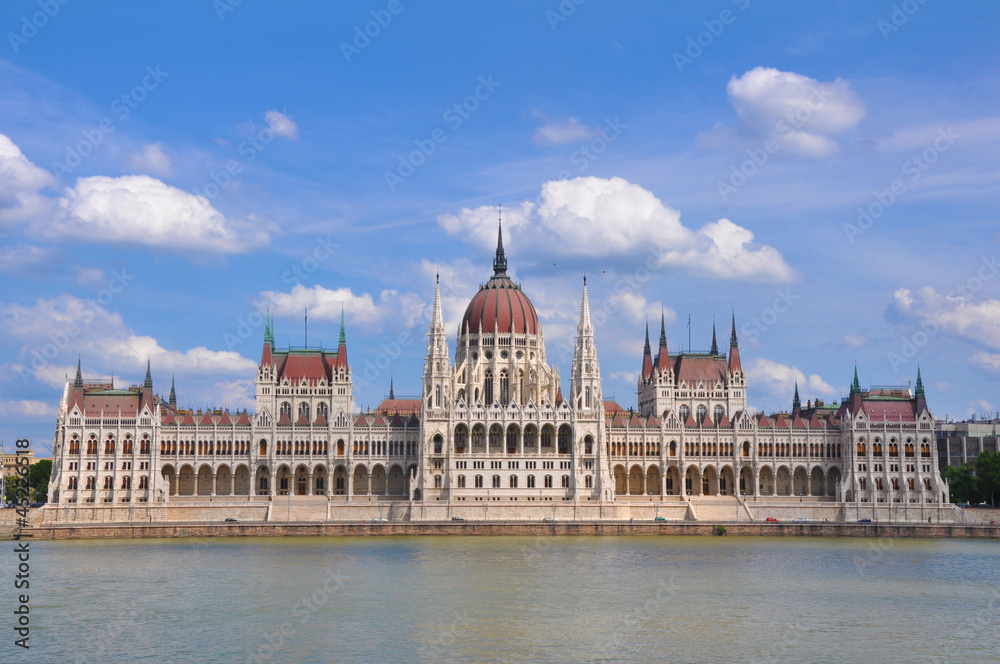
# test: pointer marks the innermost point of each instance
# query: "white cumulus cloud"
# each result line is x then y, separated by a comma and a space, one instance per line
778, 380
138, 209
802, 113
20, 182
597, 217
362, 309
963, 315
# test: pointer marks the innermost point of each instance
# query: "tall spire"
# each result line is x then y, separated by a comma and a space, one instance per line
856, 384
392, 394
585, 325
79, 374
796, 403
148, 383
645, 350
715, 346
734, 349
268, 327
647, 359
500, 261
663, 332
173, 394
920, 384
343, 336
438, 322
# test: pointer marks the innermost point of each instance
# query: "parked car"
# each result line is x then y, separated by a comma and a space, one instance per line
458, 518
232, 520
549, 519
961, 504
801, 519
37, 504
379, 519
660, 518
864, 520
771, 519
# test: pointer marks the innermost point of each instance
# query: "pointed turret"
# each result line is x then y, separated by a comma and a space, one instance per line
921, 399
392, 394
585, 382
796, 403
342, 343
715, 345
79, 374
499, 261
856, 384
173, 395
647, 358
148, 383
856, 398
662, 356
734, 349
265, 356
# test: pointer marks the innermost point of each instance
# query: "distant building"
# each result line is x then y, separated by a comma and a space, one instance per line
10, 462
962, 442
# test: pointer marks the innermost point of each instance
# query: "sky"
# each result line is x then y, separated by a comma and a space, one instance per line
827, 172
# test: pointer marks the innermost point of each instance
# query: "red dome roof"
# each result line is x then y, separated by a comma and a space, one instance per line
500, 303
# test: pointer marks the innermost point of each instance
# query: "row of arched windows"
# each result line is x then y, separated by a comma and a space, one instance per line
110, 445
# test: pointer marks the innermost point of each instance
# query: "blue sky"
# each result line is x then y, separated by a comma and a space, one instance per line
166, 168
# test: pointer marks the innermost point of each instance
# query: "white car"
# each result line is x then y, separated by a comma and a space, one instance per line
801, 519
379, 519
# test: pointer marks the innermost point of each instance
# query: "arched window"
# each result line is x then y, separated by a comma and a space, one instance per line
488, 388
304, 410
702, 411
495, 434
548, 481
437, 396
504, 388
285, 409
564, 439
438, 443
529, 436
683, 413
437, 481
479, 481
546, 437
565, 481
478, 433
263, 447
496, 481
322, 410
589, 481
718, 414
530, 483
513, 481
588, 445
461, 438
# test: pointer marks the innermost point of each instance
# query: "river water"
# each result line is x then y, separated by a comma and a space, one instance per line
511, 599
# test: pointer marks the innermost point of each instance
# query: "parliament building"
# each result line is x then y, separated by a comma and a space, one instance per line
494, 429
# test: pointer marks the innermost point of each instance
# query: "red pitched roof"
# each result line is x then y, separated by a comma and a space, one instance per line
696, 368
402, 406
320, 420
244, 419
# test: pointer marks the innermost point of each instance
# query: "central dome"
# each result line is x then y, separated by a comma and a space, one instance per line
500, 305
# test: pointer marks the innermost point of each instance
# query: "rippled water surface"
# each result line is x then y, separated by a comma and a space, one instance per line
514, 599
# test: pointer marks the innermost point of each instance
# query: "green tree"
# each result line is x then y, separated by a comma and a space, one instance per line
988, 476
38, 479
963, 483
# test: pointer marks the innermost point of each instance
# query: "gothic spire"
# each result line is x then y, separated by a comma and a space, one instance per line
663, 332
392, 394
920, 384
500, 261
268, 327
645, 349
343, 336
796, 403
715, 346
148, 383
438, 323
585, 327
856, 384
79, 374
732, 338
173, 394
